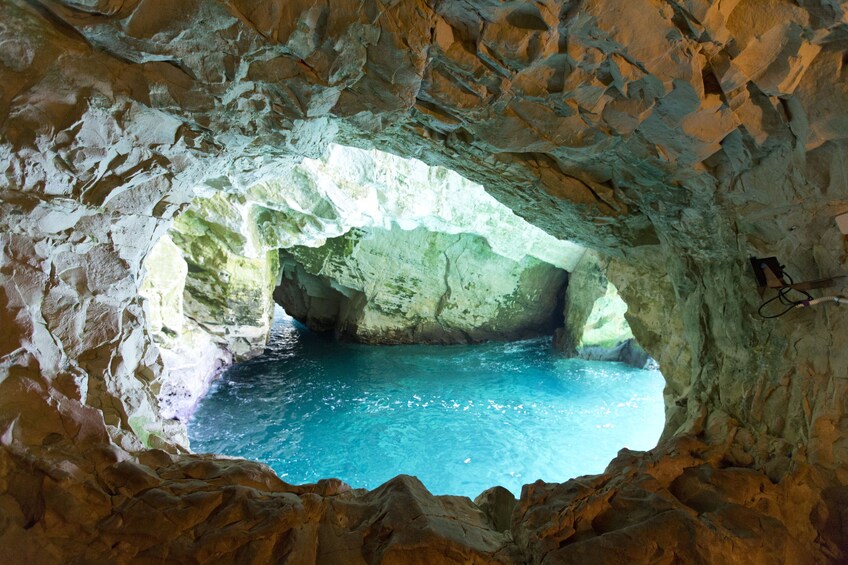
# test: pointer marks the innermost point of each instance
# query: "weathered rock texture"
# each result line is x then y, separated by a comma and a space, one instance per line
230, 277
418, 286
209, 299
675, 138
191, 356
226, 262
352, 188
594, 324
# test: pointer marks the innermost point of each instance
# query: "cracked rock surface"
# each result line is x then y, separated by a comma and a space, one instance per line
674, 138
396, 286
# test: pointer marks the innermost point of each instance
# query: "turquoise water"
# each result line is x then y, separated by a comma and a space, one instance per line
460, 418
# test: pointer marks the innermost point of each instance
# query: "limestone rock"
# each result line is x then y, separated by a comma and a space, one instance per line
352, 188
208, 301
210, 510
312, 298
677, 139
595, 327
673, 505
226, 256
417, 286
628, 352
404, 523
497, 504
586, 284
230, 279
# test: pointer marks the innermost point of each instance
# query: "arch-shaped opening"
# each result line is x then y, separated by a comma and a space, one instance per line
675, 142
376, 249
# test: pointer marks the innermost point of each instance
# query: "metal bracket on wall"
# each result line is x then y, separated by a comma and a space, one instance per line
769, 274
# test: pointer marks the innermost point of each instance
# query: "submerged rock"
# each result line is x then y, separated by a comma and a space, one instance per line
627, 351
417, 286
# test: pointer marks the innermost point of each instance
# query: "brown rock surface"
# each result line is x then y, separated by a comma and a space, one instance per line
497, 504
686, 504
676, 138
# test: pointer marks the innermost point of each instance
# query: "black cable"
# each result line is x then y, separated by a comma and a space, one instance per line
791, 282
781, 295
769, 301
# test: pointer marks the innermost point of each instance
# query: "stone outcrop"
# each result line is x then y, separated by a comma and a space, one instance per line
207, 287
84, 500
682, 504
628, 352
498, 504
418, 286
594, 318
230, 277
226, 260
675, 138
102, 505
191, 357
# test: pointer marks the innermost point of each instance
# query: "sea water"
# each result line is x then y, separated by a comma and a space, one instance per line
461, 418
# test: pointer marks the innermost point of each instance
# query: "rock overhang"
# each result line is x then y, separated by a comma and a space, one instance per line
655, 133
421, 254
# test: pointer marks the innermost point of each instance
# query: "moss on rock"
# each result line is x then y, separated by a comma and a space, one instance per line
419, 286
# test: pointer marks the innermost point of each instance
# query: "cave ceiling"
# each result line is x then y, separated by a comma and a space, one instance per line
675, 138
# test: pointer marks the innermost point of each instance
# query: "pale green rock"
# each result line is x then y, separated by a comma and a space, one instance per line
163, 285
348, 188
399, 286
208, 296
223, 251
230, 280
595, 326
606, 326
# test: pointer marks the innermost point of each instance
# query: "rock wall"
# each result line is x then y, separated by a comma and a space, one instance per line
226, 262
230, 277
594, 324
677, 138
418, 286
191, 357
207, 287
350, 188
208, 299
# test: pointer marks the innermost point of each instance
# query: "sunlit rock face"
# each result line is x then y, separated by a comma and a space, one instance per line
190, 356
472, 271
209, 300
675, 139
396, 286
229, 277
594, 318
352, 188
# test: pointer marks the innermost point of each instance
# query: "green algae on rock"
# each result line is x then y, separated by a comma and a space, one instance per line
419, 286
595, 324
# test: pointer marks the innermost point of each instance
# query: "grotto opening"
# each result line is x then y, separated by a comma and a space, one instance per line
459, 418
396, 252
675, 139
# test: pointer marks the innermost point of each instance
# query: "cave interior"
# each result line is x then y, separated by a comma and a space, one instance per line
675, 140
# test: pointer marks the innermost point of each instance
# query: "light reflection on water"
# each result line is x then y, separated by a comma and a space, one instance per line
460, 418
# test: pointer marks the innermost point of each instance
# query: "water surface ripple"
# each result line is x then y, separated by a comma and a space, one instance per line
460, 418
